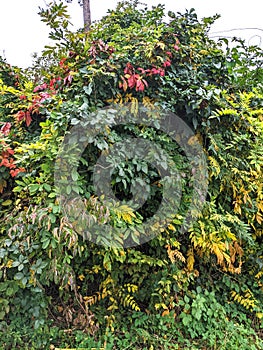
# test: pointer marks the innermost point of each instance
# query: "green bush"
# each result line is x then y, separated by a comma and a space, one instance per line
178, 290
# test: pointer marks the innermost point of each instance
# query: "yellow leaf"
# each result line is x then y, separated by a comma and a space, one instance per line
218, 253
81, 277
171, 227
165, 313
190, 259
9, 264
161, 45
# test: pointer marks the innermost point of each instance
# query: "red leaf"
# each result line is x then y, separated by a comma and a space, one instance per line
40, 87
162, 72
8, 163
5, 162
16, 171
131, 82
28, 118
68, 80
129, 69
44, 96
5, 129
145, 82
139, 85
62, 61
167, 63
20, 116
142, 70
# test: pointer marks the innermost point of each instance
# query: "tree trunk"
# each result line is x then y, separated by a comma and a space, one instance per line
86, 14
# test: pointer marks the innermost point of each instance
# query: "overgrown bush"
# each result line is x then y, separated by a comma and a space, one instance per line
200, 288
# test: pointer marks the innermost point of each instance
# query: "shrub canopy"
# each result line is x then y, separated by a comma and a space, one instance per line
134, 58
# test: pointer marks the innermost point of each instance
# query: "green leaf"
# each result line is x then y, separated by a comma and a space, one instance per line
47, 187
7, 202
24, 281
107, 261
74, 175
45, 243
186, 319
186, 299
19, 276
33, 188
20, 267
10, 291
88, 89
52, 217
199, 290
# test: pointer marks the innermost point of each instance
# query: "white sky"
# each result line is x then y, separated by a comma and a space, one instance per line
22, 32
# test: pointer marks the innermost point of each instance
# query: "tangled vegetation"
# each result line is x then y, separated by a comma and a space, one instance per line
201, 289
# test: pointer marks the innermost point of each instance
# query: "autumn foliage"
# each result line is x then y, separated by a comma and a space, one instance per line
200, 289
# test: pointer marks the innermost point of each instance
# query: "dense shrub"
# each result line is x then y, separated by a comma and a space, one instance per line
204, 284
